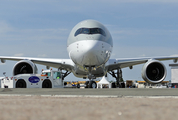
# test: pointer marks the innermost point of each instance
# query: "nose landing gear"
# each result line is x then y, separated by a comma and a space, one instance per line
90, 84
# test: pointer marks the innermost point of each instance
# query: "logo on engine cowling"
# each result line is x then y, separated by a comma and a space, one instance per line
33, 79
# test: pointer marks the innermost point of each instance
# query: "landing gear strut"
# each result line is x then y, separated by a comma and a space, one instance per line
65, 74
118, 76
90, 83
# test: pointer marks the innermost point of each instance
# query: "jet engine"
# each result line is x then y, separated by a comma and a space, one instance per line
25, 67
154, 71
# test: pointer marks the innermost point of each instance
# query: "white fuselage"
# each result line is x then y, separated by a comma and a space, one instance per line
89, 46
89, 52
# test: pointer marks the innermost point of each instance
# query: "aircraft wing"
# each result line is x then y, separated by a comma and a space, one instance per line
65, 64
114, 64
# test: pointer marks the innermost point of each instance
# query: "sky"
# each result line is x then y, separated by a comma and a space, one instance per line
139, 28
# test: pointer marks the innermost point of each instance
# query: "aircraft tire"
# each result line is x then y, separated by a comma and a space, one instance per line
87, 84
78, 85
92, 84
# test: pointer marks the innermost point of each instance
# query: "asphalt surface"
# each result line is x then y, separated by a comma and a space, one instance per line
87, 104
115, 92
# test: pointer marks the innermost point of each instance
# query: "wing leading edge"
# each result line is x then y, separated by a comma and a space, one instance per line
65, 64
114, 64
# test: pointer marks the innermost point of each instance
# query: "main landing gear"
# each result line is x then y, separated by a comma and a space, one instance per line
118, 76
65, 74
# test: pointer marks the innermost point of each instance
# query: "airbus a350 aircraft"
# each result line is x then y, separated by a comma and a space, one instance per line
90, 46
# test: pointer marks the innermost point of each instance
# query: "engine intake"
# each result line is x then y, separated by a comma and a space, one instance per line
25, 67
154, 71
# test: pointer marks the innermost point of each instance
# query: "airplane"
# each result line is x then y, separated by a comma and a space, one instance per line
89, 47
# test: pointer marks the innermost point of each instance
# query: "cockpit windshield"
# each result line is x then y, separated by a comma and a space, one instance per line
90, 31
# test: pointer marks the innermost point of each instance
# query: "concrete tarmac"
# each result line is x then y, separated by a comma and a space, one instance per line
87, 104
115, 92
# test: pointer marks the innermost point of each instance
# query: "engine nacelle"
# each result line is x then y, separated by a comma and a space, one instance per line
154, 71
25, 67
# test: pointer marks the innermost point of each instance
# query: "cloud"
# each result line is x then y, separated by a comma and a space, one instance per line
8, 33
18, 55
42, 55
174, 55
144, 37
141, 1
142, 51
56, 1
2, 63
4, 27
143, 55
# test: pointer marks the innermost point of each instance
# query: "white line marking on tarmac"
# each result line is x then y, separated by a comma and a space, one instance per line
91, 96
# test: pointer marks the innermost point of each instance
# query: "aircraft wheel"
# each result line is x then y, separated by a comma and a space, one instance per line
47, 84
78, 85
65, 83
87, 84
21, 84
92, 84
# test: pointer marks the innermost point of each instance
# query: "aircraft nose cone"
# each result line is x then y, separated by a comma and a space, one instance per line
90, 48
90, 53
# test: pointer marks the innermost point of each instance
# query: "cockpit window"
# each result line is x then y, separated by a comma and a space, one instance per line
90, 31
